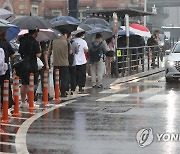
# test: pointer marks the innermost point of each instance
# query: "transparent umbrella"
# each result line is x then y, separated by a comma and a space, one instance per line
6, 14
32, 23
90, 35
96, 21
43, 34
66, 18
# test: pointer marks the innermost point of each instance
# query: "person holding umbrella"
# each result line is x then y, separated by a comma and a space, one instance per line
29, 49
9, 53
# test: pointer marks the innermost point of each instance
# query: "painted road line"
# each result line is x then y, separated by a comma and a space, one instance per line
11, 125
7, 143
114, 97
26, 112
113, 90
6, 153
20, 140
9, 134
19, 118
156, 99
151, 91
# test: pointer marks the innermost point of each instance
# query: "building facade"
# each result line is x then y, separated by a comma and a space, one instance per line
52, 8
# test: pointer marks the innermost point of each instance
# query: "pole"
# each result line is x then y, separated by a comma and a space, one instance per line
127, 42
115, 28
145, 9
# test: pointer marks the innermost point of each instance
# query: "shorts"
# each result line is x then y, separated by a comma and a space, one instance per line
25, 78
110, 53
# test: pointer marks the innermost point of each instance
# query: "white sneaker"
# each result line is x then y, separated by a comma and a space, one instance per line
36, 105
9, 112
24, 104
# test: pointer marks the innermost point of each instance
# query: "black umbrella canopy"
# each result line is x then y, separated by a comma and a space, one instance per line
70, 26
32, 22
96, 21
3, 27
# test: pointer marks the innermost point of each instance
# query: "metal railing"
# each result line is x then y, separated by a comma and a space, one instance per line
134, 60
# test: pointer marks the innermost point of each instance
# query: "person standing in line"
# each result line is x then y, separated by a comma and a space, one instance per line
81, 60
110, 54
153, 42
44, 45
97, 67
72, 65
60, 60
9, 54
29, 49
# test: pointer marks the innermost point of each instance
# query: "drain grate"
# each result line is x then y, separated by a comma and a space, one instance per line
115, 110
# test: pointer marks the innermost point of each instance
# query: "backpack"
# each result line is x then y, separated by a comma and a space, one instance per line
151, 41
75, 50
94, 52
3, 65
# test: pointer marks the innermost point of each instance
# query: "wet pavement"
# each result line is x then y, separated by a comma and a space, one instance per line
101, 121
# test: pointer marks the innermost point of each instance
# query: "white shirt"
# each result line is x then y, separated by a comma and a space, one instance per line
80, 56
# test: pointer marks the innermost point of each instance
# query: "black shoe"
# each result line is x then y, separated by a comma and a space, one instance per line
50, 98
94, 86
100, 86
72, 93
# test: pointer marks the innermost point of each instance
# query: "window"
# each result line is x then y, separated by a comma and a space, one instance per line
22, 7
34, 10
56, 13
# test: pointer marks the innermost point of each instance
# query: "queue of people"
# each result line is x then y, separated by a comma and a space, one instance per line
71, 55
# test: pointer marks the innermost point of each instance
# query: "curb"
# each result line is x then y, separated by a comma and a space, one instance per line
136, 76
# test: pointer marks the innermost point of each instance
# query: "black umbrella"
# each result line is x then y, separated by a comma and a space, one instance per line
32, 22
61, 24
3, 27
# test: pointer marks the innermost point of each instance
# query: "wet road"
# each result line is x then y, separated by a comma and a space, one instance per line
105, 122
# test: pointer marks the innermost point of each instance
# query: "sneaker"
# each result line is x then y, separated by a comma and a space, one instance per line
94, 86
71, 92
24, 104
100, 86
9, 112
